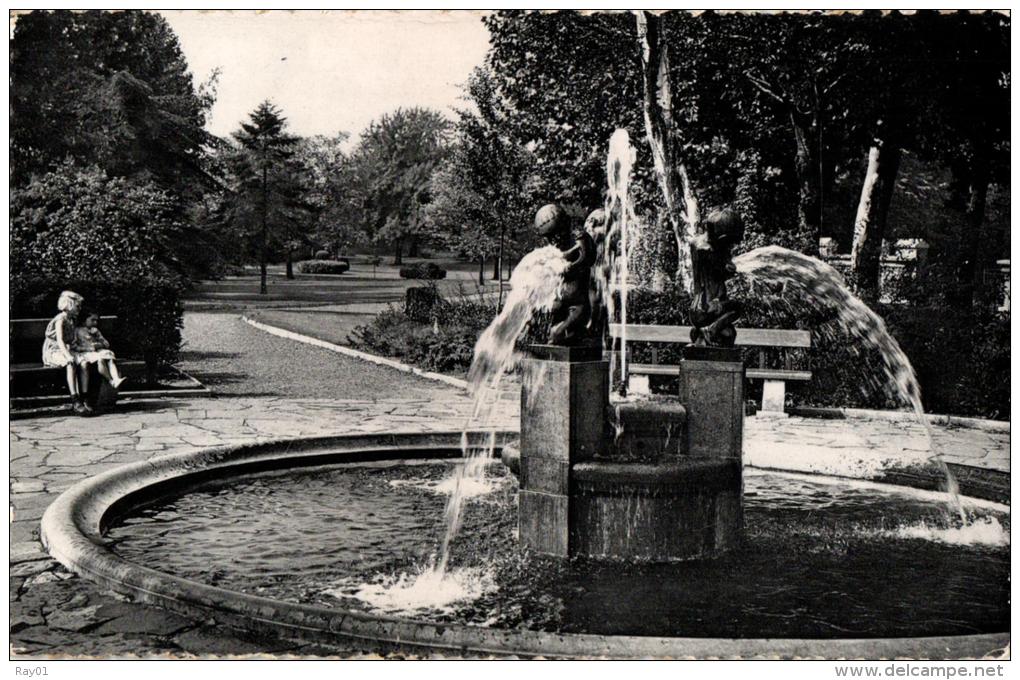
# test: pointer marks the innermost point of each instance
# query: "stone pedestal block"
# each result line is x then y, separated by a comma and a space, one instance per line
564, 393
712, 390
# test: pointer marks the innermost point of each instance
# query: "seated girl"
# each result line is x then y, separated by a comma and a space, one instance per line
94, 348
58, 347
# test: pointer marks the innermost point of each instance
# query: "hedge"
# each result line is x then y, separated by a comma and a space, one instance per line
323, 267
961, 360
149, 313
423, 270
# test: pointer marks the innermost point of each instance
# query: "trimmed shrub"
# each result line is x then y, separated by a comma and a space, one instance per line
323, 267
441, 339
322, 255
420, 303
423, 270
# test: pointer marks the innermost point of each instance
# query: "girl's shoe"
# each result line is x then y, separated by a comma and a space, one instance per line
80, 407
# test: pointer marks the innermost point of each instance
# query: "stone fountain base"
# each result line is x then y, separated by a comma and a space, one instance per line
627, 481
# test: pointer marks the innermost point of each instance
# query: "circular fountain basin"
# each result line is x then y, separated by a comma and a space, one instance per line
74, 529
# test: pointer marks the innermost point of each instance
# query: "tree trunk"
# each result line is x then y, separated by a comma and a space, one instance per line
970, 239
290, 263
398, 254
872, 216
669, 168
264, 258
481, 270
808, 165
499, 272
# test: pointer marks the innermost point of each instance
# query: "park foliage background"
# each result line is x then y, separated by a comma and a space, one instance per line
119, 190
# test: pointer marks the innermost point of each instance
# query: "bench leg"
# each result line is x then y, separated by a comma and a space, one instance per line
638, 384
773, 399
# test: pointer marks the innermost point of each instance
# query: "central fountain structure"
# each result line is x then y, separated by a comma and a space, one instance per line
651, 480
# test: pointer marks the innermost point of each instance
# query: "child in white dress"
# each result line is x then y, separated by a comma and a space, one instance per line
58, 347
94, 348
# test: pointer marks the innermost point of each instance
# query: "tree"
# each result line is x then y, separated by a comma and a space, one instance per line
482, 194
967, 125
395, 158
110, 88
335, 190
269, 184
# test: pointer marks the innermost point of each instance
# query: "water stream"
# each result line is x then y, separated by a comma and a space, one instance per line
817, 283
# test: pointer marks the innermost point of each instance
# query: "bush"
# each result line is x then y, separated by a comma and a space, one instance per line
149, 313
443, 340
111, 240
423, 270
322, 255
323, 267
420, 303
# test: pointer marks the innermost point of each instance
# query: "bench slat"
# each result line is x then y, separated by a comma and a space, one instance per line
35, 329
776, 374
746, 337
654, 369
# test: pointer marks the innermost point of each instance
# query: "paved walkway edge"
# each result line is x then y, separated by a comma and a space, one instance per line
364, 356
934, 418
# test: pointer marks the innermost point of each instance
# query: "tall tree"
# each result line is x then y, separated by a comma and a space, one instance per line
335, 191
268, 196
482, 194
110, 88
395, 159
967, 126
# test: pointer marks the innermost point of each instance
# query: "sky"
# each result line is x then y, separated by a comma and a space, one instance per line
330, 71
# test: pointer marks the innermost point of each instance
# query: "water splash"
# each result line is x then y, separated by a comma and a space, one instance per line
818, 283
534, 286
427, 590
981, 531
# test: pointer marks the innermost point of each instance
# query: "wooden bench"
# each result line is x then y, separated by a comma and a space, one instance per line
29, 377
774, 390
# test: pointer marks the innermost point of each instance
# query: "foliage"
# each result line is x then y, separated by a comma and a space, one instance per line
334, 190
106, 88
112, 90
267, 207
843, 375
322, 255
420, 303
423, 270
391, 173
482, 200
323, 267
109, 239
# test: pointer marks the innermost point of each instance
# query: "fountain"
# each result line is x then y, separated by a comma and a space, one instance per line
413, 540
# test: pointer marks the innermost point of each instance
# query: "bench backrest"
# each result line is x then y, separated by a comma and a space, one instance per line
27, 337
746, 337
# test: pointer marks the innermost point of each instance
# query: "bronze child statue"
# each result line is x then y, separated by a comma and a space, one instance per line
572, 310
712, 312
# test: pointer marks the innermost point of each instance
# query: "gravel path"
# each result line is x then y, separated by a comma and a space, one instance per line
232, 358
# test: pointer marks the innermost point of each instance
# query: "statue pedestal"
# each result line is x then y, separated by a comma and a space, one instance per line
712, 390
564, 394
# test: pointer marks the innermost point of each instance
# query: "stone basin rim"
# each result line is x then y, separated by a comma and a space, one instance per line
72, 526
